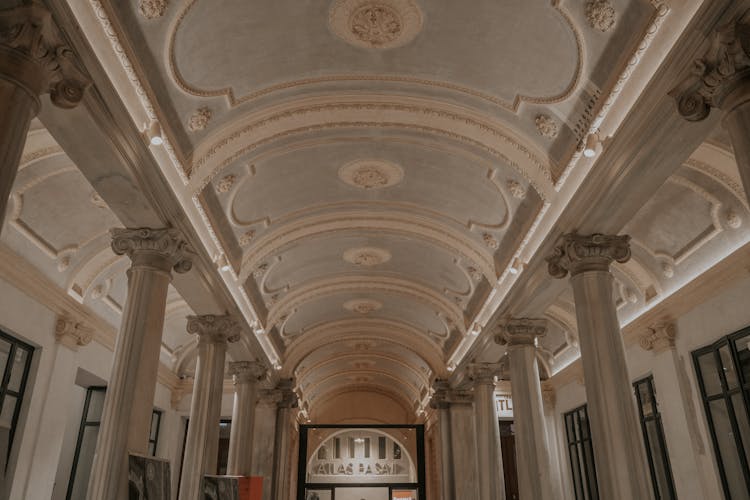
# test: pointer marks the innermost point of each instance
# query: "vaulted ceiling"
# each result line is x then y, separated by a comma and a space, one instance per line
373, 176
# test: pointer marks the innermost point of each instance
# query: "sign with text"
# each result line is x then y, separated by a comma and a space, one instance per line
504, 406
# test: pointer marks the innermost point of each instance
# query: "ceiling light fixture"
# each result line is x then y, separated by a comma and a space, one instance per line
593, 145
154, 134
516, 266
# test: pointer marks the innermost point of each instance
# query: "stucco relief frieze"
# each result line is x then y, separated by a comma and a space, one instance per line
367, 256
373, 24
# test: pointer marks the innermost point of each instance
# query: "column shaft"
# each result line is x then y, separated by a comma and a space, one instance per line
17, 107
532, 451
128, 406
201, 445
490, 460
616, 435
446, 452
264, 436
283, 451
246, 376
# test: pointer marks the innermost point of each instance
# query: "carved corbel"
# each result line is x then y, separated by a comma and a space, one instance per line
659, 337
72, 333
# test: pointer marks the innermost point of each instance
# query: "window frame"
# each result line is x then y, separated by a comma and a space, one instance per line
15, 343
581, 445
155, 442
79, 439
648, 381
743, 388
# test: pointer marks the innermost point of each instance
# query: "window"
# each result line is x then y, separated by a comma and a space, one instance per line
723, 371
15, 361
153, 436
581, 454
86, 444
653, 436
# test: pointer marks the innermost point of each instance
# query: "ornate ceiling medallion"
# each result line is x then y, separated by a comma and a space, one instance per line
367, 256
375, 24
546, 126
362, 306
199, 120
600, 14
371, 174
152, 9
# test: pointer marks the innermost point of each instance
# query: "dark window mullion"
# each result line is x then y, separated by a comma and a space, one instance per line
733, 417
644, 429
590, 444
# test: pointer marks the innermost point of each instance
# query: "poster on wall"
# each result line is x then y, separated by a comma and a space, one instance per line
408, 494
373, 493
148, 478
318, 495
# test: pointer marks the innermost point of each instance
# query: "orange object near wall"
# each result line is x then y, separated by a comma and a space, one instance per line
250, 488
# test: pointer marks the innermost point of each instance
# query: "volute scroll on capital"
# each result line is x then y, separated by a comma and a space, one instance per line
579, 253
659, 337
164, 245
72, 333
34, 55
213, 328
522, 331
246, 372
715, 76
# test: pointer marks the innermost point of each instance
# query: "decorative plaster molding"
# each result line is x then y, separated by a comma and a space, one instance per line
716, 75
37, 57
247, 372
72, 333
733, 220
367, 256
164, 244
371, 174
247, 237
490, 241
600, 14
516, 189
659, 337
226, 183
375, 24
362, 306
546, 126
152, 9
580, 253
214, 329
199, 120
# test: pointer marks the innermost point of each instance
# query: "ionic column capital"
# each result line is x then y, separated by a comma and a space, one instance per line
72, 333
718, 73
34, 56
579, 253
484, 373
659, 337
247, 372
522, 331
214, 329
157, 247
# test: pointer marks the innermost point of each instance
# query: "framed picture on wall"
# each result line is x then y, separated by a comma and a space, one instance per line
318, 495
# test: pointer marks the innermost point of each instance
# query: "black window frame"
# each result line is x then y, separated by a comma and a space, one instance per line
81, 431
15, 344
743, 388
154, 443
581, 444
671, 493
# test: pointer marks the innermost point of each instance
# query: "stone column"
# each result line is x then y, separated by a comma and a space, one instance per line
126, 417
489, 452
264, 438
33, 61
558, 455
721, 79
285, 421
616, 435
246, 375
202, 443
440, 403
532, 451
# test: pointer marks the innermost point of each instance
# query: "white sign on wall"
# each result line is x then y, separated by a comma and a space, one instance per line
504, 406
